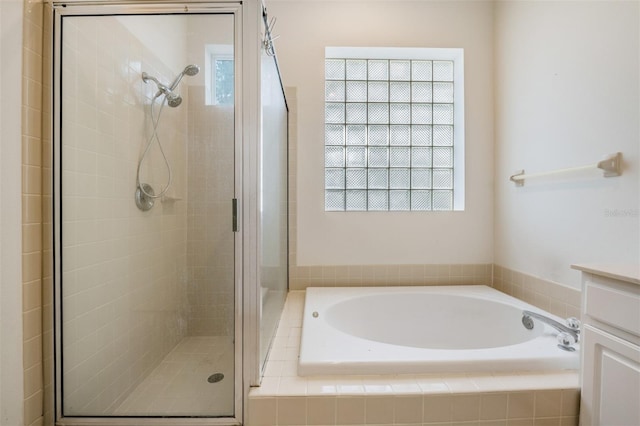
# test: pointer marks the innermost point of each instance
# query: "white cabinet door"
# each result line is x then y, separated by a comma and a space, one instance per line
611, 386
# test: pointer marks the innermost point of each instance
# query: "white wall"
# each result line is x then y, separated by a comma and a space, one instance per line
339, 238
567, 93
11, 384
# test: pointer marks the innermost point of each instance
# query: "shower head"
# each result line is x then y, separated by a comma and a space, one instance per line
173, 99
189, 70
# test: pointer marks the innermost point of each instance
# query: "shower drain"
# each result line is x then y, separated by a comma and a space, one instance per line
215, 378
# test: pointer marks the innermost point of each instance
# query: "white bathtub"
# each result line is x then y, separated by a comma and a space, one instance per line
398, 330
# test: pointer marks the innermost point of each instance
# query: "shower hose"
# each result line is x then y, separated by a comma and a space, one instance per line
154, 137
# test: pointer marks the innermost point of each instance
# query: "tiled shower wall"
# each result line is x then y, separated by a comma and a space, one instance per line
210, 243
125, 271
34, 195
47, 224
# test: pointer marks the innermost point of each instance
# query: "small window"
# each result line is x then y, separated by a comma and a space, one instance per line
223, 86
394, 129
220, 75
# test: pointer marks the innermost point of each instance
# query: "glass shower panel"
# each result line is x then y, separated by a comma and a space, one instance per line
273, 208
146, 152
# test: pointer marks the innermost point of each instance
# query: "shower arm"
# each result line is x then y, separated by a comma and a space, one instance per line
146, 77
162, 89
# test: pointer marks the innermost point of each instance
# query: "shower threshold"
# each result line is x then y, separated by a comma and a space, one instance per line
180, 385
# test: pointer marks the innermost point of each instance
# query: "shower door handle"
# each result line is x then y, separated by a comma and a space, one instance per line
234, 214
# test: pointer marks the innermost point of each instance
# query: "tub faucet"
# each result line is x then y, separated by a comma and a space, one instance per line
568, 334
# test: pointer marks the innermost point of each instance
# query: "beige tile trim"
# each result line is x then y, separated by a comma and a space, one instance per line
301, 277
553, 297
34, 133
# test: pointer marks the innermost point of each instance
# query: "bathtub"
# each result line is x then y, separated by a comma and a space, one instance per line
435, 329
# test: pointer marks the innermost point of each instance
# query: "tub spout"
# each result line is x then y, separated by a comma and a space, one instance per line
569, 333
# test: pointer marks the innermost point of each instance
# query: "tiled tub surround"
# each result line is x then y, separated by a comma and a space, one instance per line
302, 277
287, 399
553, 297
284, 398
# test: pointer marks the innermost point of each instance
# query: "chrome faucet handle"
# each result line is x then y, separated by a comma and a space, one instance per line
527, 321
573, 328
566, 341
574, 324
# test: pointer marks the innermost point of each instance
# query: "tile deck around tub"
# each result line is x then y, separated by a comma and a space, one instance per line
284, 398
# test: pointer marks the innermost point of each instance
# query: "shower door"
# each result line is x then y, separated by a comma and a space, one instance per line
147, 271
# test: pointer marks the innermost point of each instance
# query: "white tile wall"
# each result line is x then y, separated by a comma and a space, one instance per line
210, 244
124, 272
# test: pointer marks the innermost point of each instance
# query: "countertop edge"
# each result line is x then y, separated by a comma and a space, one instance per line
624, 272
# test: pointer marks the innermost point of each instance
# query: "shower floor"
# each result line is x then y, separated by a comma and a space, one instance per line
178, 386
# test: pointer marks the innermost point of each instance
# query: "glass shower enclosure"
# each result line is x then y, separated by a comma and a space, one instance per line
274, 247
147, 177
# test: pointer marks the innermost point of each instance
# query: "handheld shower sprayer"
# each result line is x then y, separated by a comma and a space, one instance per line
145, 196
189, 70
173, 99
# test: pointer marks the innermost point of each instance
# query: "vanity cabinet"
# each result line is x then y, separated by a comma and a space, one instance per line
610, 370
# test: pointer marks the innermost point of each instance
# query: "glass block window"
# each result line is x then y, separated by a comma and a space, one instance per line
394, 137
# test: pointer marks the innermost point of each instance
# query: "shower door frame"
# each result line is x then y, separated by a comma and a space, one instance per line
154, 7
